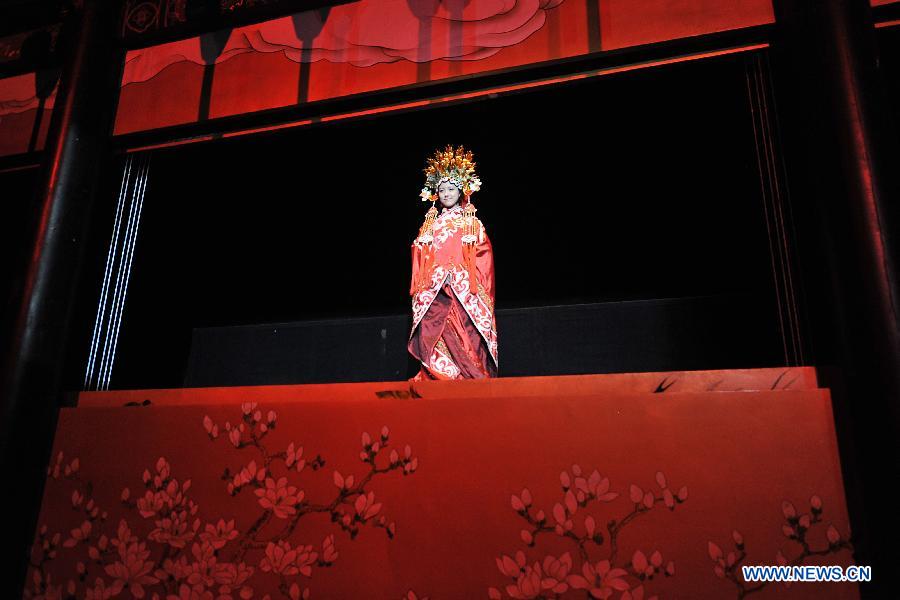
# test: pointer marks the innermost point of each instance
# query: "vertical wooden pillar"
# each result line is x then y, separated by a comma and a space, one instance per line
843, 153
77, 145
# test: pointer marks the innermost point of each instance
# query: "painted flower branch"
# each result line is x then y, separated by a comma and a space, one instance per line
352, 506
181, 557
796, 528
556, 576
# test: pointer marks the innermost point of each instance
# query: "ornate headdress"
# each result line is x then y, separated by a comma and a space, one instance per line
455, 166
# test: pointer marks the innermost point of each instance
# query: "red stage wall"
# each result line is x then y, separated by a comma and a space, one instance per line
204, 501
377, 44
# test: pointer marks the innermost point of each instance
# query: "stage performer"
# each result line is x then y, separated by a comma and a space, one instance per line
454, 334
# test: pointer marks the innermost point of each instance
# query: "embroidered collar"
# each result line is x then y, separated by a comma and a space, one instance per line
452, 212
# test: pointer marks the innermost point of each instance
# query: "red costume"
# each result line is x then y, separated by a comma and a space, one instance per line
454, 334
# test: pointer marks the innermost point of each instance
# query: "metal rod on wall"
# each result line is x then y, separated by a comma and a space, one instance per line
111, 304
130, 255
110, 256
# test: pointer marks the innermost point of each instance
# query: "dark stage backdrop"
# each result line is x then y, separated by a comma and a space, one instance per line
888, 39
17, 222
634, 186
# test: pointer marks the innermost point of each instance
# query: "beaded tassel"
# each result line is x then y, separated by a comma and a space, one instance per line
427, 250
470, 232
430, 217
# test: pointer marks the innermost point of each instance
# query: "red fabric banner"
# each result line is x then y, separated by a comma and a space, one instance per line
377, 44
19, 105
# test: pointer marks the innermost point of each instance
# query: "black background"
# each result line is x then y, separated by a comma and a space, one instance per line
637, 185
632, 186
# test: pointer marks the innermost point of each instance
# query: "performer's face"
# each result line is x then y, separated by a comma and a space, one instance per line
448, 194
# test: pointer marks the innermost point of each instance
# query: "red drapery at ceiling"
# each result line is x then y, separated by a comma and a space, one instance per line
379, 44
18, 108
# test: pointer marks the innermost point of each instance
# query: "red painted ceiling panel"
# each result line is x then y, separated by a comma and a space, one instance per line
379, 44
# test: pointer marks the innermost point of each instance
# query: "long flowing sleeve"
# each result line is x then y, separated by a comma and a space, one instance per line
413, 282
484, 265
